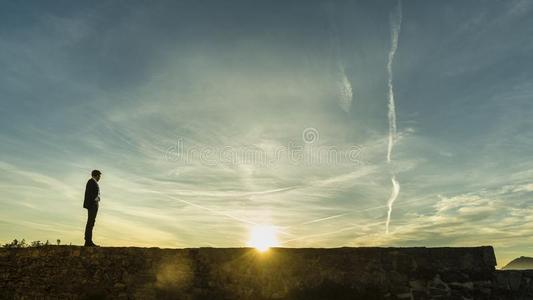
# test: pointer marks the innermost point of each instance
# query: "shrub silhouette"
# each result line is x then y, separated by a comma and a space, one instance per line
23, 244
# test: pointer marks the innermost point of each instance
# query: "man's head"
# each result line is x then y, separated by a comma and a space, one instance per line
96, 174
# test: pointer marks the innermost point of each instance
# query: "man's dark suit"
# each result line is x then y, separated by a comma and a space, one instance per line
91, 192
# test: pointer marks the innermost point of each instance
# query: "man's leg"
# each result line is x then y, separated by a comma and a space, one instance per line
91, 217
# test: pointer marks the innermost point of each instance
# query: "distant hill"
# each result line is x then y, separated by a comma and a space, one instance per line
521, 263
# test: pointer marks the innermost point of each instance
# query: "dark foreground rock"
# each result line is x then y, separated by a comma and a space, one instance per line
70, 272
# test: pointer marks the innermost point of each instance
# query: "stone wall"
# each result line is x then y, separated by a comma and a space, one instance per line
71, 272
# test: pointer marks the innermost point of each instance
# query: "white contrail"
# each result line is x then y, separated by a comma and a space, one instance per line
396, 22
344, 84
221, 213
352, 226
323, 219
392, 198
345, 89
351, 212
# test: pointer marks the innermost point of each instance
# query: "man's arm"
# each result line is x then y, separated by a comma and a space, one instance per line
91, 191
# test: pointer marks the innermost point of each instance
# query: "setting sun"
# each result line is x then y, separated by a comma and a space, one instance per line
262, 237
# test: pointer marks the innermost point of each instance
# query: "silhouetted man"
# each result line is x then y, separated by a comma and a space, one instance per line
92, 197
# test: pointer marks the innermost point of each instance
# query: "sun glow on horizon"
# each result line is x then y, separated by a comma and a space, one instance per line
262, 237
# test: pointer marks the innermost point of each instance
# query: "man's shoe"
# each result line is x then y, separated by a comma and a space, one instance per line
90, 244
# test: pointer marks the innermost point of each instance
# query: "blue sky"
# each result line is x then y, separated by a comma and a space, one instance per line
135, 88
